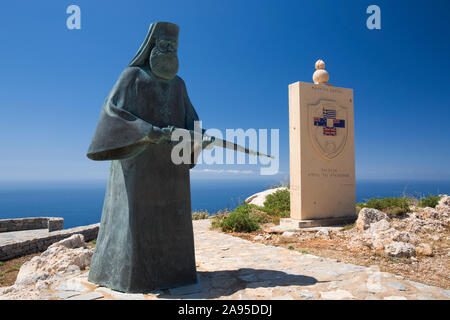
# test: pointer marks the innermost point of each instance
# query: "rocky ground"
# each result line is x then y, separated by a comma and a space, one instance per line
228, 268
401, 255
66, 257
415, 246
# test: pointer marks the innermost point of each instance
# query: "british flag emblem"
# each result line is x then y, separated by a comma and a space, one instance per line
329, 131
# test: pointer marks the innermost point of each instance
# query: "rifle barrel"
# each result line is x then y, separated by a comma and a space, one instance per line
233, 146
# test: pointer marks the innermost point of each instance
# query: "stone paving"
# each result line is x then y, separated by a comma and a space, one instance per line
19, 236
233, 268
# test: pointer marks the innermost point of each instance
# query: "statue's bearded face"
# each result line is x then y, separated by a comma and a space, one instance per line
164, 59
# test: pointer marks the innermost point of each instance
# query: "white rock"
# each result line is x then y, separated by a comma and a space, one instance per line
60, 257
415, 216
431, 213
288, 234
323, 233
444, 201
379, 226
259, 198
406, 237
416, 223
41, 285
380, 239
36, 276
258, 237
443, 208
400, 249
75, 241
367, 216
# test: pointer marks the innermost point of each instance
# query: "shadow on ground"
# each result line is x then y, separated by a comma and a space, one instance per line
215, 284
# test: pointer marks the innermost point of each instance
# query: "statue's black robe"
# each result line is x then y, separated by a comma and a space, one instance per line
145, 240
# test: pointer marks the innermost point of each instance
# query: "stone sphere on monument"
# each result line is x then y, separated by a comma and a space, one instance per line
320, 75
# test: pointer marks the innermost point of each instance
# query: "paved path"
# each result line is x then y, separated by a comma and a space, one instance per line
19, 236
233, 268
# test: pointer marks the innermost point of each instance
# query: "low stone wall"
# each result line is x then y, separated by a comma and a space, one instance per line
20, 224
41, 243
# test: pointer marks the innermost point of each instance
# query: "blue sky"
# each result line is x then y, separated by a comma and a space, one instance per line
237, 59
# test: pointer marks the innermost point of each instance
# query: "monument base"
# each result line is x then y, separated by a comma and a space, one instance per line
289, 223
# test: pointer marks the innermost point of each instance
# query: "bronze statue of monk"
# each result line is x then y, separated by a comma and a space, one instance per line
146, 239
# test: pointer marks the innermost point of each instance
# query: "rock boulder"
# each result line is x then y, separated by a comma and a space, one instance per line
400, 249
66, 255
259, 198
367, 216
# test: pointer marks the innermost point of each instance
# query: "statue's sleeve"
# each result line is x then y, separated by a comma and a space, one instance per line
119, 133
191, 116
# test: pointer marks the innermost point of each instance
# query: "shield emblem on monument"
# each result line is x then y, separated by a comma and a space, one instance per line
327, 123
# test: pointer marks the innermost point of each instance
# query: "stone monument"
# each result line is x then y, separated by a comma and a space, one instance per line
322, 153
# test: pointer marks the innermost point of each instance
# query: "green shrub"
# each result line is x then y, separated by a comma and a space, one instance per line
198, 215
430, 201
245, 208
278, 204
239, 220
259, 216
255, 212
218, 217
394, 206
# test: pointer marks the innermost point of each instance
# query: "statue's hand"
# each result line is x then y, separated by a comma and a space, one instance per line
208, 142
168, 131
158, 135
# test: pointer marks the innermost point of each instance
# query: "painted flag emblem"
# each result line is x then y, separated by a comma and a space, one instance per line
329, 122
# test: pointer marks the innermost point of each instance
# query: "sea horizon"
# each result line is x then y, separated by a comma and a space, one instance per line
80, 202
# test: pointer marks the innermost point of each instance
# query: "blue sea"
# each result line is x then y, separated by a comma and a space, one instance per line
81, 203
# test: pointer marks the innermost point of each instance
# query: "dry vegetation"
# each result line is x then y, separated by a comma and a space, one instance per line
9, 269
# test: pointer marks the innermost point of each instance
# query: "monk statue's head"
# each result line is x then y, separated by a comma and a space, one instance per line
159, 50
163, 57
